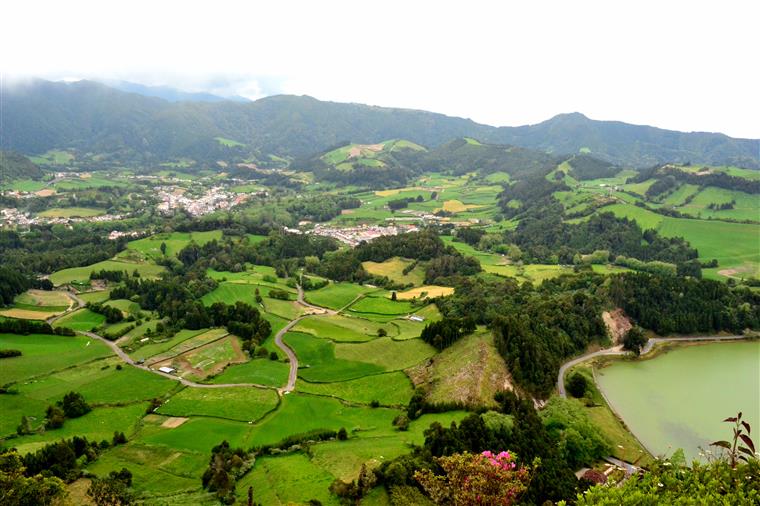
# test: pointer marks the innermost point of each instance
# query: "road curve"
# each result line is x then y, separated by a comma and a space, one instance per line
618, 350
293, 374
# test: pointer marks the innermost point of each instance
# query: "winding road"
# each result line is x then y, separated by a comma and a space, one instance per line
618, 350
292, 359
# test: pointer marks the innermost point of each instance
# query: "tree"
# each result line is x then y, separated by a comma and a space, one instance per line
634, 340
486, 478
381, 332
393, 296
17, 488
25, 427
54, 417
163, 248
342, 434
112, 490
74, 405
577, 385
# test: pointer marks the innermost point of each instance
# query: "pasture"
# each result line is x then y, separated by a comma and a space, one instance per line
371, 305
336, 295
175, 241
82, 274
81, 319
386, 353
391, 389
424, 292
261, 371
43, 354
393, 269
71, 212
341, 328
243, 404
318, 362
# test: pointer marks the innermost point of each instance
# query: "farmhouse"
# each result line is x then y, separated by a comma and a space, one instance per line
167, 370
416, 318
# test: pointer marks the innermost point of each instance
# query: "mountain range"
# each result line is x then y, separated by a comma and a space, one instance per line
91, 117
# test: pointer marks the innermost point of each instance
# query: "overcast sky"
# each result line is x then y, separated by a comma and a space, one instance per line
685, 65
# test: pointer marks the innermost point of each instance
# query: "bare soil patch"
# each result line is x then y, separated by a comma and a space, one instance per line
617, 324
174, 422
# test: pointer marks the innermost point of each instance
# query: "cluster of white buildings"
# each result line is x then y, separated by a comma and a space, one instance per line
354, 235
173, 198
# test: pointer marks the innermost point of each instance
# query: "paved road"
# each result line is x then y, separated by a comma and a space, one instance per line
128, 360
618, 350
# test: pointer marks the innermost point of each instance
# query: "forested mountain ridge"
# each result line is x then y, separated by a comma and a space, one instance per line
91, 117
14, 165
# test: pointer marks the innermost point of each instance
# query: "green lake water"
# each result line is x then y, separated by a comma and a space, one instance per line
678, 399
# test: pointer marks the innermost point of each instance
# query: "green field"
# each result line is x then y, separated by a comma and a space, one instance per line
380, 306
391, 389
318, 362
336, 295
175, 241
81, 319
260, 371
342, 328
24, 185
244, 404
53, 157
71, 212
228, 142
82, 274
387, 353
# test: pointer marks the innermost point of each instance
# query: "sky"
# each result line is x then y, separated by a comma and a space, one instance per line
683, 65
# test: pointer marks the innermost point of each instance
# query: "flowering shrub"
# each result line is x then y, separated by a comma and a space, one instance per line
486, 478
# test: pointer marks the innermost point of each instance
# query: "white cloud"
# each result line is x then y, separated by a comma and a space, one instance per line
678, 64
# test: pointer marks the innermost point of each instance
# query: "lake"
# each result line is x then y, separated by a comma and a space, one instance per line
678, 399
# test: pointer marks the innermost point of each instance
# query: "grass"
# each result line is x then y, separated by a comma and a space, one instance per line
157, 347
288, 479
200, 435
97, 425
261, 371
98, 296
391, 389
300, 413
427, 291
336, 295
81, 319
55, 300
381, 306
386, 353
318, 362
53, 157
229, 143
42, 354
195, 340
243, 403
175, 241
82, 274
24, 185
71, 212
33, 313
341, 328
393, 269
624, 445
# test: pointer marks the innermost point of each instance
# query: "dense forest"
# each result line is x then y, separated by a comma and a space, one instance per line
16, 166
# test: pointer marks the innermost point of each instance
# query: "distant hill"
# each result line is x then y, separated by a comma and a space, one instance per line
92, 117
168, 93
16, 166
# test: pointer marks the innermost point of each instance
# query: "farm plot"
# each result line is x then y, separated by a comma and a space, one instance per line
82, 274
337, 295
393, 269
175, 241
318, 361
426, 291
260, 371
386, 353
391, 389
206, 360
381, 306
71, 212
342, 328
81, 319
244, 404
42, 354
301, 413
188, 340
